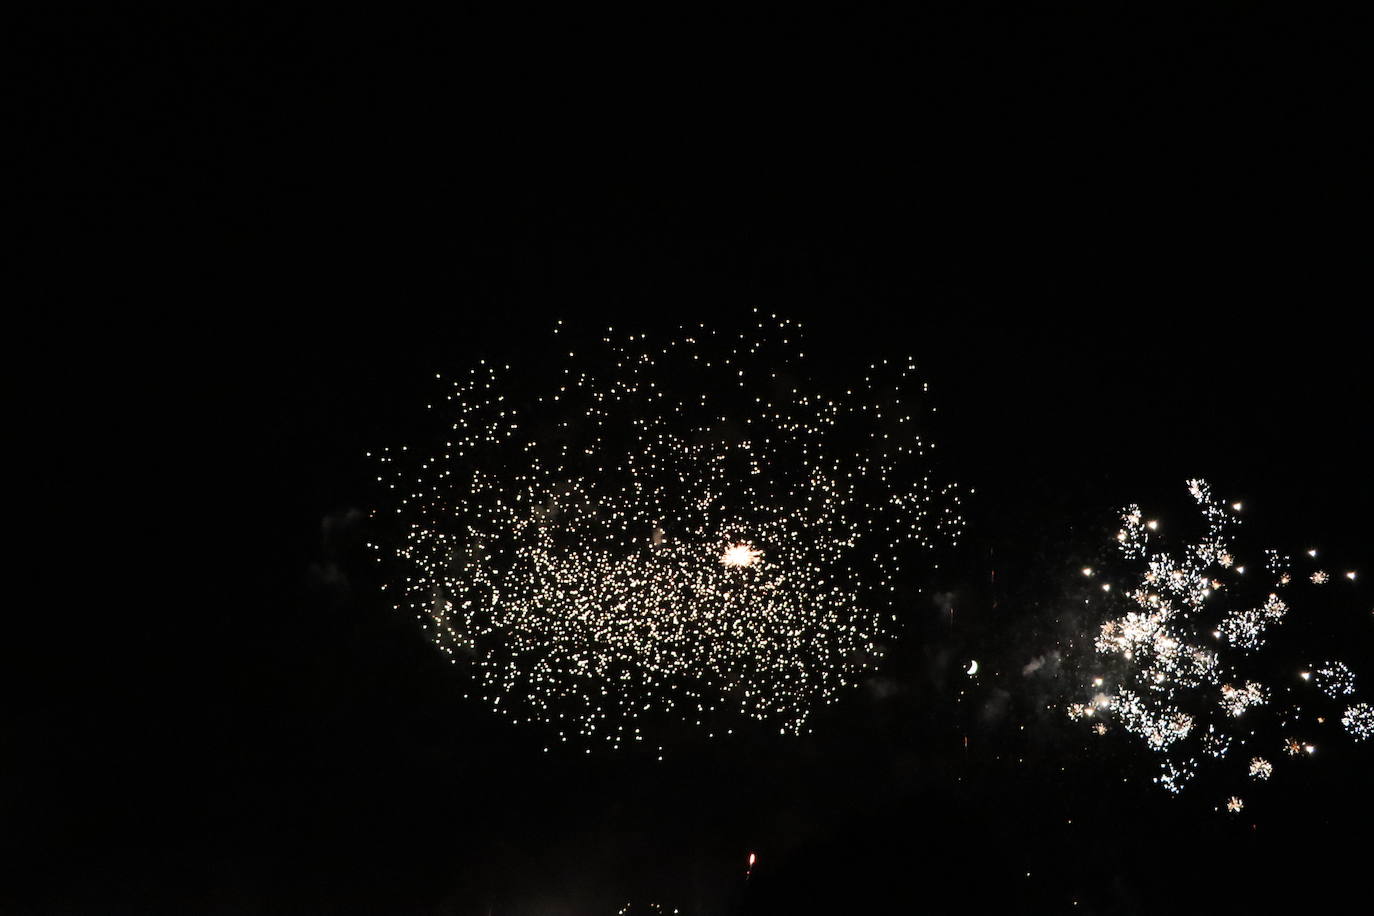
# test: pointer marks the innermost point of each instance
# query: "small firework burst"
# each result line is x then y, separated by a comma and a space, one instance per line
1359, 721
1235, 700
1173, 775
1335, 679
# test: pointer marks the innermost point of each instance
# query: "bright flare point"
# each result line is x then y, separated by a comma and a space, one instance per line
740, 555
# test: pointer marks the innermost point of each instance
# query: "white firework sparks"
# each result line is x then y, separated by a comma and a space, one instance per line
1174, 774
1159, 728
1215, 743
684, 532
1335, 679
1246, 628
1359, 721
1163, 665
1235, 700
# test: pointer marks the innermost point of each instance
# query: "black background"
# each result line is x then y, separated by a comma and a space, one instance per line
1124, 248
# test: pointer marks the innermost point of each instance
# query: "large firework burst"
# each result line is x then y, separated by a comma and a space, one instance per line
1184, 661
673, 531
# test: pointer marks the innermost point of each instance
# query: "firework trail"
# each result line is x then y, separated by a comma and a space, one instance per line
692, 531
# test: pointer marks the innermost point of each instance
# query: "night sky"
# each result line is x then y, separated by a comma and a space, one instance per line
1124, 251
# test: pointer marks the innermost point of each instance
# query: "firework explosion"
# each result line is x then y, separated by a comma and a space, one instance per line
1359, 720
685, 532
1182, 665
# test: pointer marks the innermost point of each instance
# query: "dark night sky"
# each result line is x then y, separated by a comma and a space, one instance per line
1124, 250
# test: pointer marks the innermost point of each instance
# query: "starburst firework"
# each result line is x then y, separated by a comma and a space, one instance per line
1180, 656
690, 531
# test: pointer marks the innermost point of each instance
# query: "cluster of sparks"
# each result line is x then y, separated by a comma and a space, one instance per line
1335, 679
1169, 669
688, 532
1359, 721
